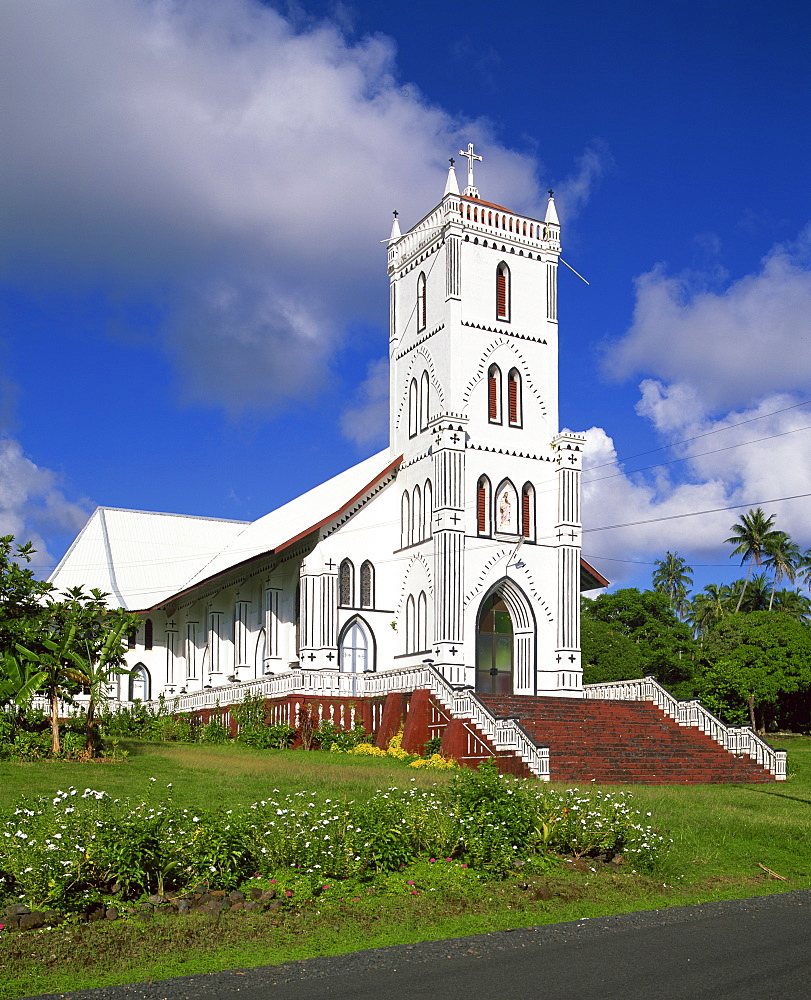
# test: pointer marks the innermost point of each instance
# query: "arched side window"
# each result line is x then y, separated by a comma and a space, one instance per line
422, 622
405, 520
494, 394
528, 511
367, 585
483, 515
410, 624
422, 311
424, 401
413, 409
514, 398
346, 584
503, 292
428, 509
140, 683
148, 634
416, 516
506, 509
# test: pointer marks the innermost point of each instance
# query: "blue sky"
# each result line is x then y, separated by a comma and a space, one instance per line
194, 295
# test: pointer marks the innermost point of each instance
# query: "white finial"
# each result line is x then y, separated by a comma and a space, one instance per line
551, 211
471, 191
395, 228
452, 184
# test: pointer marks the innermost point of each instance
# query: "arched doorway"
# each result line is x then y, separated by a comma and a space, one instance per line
355, 648
494, 647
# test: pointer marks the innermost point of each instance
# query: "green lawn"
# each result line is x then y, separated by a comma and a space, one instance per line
721, 835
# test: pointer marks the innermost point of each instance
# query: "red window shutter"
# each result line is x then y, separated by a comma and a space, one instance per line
481, 509
513, 400
492, 397
525, 514
501, 294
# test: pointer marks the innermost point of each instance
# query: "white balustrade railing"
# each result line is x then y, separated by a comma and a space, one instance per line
737, 740
504, 734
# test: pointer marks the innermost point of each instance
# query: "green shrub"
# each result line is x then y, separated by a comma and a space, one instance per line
329, 736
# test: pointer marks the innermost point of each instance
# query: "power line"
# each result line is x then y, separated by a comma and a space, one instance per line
696, 513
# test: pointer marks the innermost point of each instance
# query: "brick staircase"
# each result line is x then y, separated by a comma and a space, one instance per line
623, 742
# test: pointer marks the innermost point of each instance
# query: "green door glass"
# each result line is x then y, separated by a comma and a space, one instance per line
494, 648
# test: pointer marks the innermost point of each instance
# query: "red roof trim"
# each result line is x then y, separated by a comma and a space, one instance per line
595, 573
490, 204
290, 541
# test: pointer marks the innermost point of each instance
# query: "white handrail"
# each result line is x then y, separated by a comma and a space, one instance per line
737, 740
504, 734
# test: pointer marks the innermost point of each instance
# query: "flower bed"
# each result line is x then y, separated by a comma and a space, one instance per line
78, 850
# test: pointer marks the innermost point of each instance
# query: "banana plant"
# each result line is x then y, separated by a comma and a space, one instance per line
19, 682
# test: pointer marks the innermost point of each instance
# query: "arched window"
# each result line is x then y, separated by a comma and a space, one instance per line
416, 516
424, 401
346, 584
514, 398
503, 292
148, 634
422, 622
483, 506
132, 638
421, 306
405, 520
494, 394
356, 649
367, 585
528, 511
410, 624
413, 409
140, 683
506, 509
428, 509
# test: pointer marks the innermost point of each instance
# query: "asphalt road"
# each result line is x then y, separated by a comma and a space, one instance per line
736, 950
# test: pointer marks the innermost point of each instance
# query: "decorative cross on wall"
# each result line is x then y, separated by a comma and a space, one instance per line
453, 650
330, 656
573, 459
311, 656
456, 519
455, 438
331, 564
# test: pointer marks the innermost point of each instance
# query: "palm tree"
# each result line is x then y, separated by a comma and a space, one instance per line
805, 568
793, 603
708, 607
783, 559
672, 576
750, 537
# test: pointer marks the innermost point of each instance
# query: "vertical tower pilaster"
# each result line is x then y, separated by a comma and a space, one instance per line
568, 539
448, 452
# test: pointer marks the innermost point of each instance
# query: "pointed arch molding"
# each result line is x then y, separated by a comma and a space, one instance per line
411, 372
520, 363
485, 583
406, 589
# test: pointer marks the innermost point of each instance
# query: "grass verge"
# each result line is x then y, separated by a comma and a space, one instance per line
722, 835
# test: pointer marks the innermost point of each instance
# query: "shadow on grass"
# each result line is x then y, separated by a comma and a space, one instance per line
779, 795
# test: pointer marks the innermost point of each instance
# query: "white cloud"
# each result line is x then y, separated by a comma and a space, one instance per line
31, 504
237, 170
731, 347
367, 421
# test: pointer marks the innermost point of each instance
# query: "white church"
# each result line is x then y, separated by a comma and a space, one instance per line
459, 544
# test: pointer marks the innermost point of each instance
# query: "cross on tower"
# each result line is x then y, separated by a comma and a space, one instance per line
471, 156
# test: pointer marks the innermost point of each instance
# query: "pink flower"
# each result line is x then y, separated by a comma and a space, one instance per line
287, 892
432, 860
273, 881
414, 892
448, 859
356, 899
464, 866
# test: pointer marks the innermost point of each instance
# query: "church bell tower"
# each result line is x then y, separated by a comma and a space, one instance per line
490, 490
